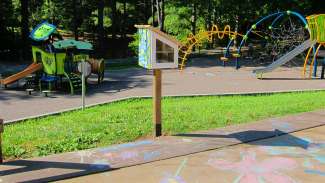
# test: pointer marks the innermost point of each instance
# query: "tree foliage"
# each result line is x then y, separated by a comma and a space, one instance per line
110, 23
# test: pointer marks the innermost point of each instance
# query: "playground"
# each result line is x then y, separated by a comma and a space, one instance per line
247, 106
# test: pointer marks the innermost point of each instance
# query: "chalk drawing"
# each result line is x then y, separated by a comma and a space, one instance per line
315, 172
253, 171
129, 155
208, 74
307, 163
283, 126
314, 150
83, 155
127, 145
100, 164
176, 178
121, 156
187, 140
147, 156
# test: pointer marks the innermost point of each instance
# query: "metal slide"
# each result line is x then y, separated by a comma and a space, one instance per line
286, 58
29, 70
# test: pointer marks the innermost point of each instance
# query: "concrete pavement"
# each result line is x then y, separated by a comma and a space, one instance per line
297, 157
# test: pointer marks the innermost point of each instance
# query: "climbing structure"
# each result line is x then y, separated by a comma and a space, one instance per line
276, 39
316, 25
201, 37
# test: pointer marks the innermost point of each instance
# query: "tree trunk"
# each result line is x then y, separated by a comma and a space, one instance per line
153, 12
25, 28
75, 20
113, 19
193, 19
160, 4
100, 7
125, 19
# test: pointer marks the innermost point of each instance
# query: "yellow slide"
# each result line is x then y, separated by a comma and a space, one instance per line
29, 70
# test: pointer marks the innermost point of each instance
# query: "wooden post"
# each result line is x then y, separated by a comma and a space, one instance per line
1, 131
157, 102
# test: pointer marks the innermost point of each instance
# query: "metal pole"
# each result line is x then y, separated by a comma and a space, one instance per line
83, 83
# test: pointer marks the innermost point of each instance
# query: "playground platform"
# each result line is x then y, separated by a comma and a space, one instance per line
204, 76
286, 149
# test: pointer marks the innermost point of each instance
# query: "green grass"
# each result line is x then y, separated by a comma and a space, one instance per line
132, 119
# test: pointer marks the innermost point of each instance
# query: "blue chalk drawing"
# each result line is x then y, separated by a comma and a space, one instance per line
283, 126
147, 156
100, 164
315, 172
125, 146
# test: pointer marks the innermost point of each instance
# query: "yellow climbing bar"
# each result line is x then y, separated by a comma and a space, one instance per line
201, 37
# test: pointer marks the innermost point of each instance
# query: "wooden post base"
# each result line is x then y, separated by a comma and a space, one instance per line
157, 102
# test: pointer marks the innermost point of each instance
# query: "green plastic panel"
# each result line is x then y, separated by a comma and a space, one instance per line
316, 24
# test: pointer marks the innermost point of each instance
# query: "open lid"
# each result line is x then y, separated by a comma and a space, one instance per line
70, 43
42, 31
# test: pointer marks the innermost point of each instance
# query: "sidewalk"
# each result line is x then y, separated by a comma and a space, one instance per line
74, 164
202, 79
297, 157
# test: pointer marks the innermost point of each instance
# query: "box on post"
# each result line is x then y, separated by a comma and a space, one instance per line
157, 50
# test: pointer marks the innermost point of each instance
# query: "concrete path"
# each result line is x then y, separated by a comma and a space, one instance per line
297, 157
311, 150
203, 77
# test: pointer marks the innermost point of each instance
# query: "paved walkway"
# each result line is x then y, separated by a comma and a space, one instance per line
297, 157
238, 153
203, 77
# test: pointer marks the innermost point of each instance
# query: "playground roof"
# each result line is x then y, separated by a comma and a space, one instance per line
157, 31
42, 31
70, 43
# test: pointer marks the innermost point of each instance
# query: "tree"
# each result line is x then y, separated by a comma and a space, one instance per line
101, 31
160, 4
25, 27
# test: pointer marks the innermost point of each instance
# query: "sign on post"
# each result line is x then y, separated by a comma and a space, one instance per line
157, 51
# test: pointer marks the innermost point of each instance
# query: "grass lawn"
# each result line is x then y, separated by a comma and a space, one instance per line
132, 119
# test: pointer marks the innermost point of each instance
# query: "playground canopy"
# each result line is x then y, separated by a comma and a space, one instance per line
69, 43
42, 31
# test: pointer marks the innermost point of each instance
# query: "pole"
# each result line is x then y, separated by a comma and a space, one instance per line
1, 131
157, 102
83, 83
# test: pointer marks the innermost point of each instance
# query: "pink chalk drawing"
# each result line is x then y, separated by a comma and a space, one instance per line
253, 171
122, 156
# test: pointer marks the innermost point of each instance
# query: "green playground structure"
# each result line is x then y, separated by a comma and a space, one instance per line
56, 60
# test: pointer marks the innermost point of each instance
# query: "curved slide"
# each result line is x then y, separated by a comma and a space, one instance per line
29, 70
286, 58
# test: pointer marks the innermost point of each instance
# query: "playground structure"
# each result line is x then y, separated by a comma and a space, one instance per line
316, 24
287, 36
203, 36
280, 38
55, 59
